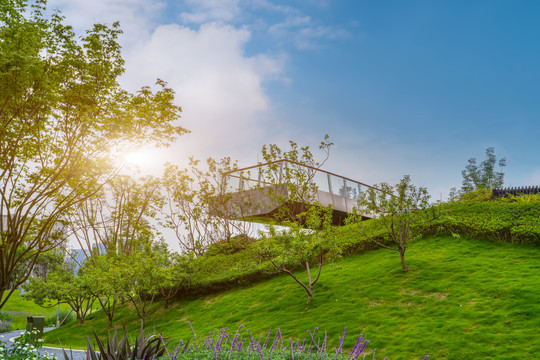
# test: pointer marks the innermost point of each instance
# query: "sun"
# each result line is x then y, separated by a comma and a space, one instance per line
139, 158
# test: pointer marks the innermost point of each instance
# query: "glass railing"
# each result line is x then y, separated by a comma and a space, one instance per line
259, 176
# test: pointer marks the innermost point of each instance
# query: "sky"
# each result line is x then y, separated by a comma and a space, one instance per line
401, 87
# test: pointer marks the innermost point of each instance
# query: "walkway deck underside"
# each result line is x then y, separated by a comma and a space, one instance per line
256, 205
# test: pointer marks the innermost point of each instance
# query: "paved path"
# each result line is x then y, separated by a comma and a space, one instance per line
77, 354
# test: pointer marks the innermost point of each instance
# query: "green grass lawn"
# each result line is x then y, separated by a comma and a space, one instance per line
463, 299
19, 309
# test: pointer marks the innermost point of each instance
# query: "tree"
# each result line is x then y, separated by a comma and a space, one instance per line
178, 274
483, 176
112, 224
397, 208
295, 246
287, 178
200, 208
308, 238
101, 270
142, 274
65, 121
62, 287
114, 219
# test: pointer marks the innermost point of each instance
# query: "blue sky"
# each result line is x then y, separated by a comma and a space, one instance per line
402, 87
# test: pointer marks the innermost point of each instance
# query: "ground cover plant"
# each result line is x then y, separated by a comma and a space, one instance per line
458, 289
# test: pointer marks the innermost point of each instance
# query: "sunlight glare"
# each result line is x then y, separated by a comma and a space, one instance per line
138, 158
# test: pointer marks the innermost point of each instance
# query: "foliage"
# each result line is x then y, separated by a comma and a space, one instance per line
515, 221
142, 273
483, 176
178, 274
120, 219
65, 121
144, 347
287, 178
295, 246
473, 195
483, 289
200, 208
236, 244
62, 287
398, 208
5, 322
26, 348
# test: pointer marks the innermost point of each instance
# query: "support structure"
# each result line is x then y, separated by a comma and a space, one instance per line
251, 187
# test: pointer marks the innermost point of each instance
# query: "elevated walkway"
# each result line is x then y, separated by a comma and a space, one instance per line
257, 193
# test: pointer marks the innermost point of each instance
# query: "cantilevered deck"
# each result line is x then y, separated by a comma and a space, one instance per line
261, 190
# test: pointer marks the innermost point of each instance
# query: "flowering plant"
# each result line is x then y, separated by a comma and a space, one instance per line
26, 347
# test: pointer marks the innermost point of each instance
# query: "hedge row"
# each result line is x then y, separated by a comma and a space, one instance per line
516, 222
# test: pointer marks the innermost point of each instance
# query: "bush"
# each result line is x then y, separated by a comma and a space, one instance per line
515, 220
5, 322
64, 317
26, 348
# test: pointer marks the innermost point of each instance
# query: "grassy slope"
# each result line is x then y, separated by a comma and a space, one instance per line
464, 300
21, 308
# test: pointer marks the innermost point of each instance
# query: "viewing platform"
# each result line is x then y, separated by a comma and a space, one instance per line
258, 192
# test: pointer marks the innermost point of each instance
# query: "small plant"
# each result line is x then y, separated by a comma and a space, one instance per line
5, 322
65, 316
26, 348
144, 348
221, 344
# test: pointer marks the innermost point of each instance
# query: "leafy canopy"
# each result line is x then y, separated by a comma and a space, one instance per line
483, 176
65, 121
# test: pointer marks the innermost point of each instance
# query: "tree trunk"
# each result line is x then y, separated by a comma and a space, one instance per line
402, 257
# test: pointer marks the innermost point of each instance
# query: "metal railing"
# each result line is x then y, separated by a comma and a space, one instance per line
253, 177
522, 190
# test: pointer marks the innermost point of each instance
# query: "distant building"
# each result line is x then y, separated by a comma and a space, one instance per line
78, 256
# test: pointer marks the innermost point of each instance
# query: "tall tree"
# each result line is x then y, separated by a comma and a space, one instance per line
483, 176
64, 122
112, 224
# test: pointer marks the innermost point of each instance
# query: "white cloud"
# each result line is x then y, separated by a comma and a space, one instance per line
137, 17
219, 88
301, 32
204, 11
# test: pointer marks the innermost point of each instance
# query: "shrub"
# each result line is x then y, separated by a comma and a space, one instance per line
5, 322
222, 344
144, 348
26, 348
65, 316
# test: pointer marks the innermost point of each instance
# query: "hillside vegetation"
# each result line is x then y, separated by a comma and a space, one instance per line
515, 221
464, 299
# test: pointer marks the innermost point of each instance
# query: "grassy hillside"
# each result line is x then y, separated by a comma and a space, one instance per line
19, 308
464, 299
